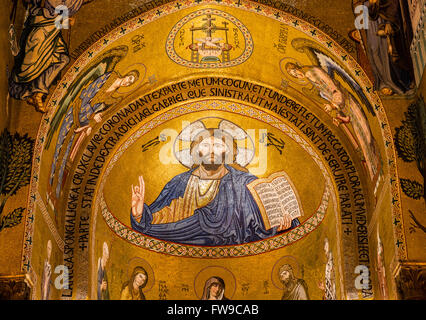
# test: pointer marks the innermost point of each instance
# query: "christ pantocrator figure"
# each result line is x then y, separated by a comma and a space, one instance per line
210, 204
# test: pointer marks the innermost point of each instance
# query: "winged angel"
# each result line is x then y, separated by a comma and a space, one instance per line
341, 104
91, 94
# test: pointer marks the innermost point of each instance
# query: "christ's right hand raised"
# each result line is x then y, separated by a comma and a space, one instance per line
138, 194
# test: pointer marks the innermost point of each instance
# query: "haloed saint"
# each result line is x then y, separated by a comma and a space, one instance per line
132, 289
214, 289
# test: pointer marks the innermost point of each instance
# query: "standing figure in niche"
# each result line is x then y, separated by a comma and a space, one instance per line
103, 289
214, 289
43, 52
132, 289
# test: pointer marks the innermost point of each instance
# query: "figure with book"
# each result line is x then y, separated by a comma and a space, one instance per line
217, 201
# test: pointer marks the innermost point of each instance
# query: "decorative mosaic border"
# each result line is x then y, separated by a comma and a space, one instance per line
248, 249
179, 60
272, 13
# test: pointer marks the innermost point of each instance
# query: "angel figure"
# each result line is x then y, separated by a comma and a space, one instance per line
89, 98
341, 104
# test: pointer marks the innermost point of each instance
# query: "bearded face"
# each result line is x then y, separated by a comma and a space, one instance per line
212, 150
285, 277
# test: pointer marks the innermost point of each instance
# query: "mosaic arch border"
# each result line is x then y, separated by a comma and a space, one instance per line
308, 29
253, 248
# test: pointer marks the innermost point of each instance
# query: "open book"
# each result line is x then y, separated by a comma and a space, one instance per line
275, 196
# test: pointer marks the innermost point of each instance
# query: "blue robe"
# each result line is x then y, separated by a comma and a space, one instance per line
231, 218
